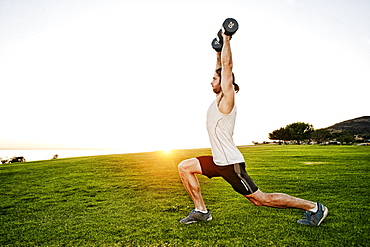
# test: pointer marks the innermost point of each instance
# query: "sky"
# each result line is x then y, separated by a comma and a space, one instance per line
135, 75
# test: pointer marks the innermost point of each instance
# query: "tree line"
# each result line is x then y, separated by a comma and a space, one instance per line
303, 132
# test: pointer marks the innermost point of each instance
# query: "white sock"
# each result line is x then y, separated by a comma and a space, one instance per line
204, 212
314, 210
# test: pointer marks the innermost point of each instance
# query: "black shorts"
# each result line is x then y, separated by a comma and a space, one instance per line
235, 174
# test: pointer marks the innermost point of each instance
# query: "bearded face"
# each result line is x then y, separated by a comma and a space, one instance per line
217, 88
216, 84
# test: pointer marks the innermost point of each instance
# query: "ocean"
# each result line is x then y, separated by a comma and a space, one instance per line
35, 155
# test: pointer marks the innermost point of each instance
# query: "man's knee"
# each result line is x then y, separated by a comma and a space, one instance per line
258, 198
183, 166
189, 166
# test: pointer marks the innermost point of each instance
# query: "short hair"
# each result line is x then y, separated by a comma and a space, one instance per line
236, 86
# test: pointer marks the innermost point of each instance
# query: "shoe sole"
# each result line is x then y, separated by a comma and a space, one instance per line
326, 211
190, 222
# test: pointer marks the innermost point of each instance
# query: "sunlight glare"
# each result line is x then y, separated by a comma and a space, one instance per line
167, 151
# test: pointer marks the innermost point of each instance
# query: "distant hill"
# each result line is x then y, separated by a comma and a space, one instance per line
358, 126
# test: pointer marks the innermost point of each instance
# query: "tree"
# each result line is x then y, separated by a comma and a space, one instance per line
299, 131
279, 134
344, 137
293, 132
321, 135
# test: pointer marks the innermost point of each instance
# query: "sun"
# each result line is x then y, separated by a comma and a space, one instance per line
167, 151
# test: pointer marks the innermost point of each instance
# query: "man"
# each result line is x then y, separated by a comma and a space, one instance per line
226, 160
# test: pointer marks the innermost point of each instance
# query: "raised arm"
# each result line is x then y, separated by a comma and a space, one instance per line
227, 103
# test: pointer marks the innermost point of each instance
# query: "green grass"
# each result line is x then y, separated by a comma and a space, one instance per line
138, 199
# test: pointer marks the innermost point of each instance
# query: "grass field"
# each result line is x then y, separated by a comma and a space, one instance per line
138, 200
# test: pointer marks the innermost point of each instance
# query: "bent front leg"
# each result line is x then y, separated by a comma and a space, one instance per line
187, 170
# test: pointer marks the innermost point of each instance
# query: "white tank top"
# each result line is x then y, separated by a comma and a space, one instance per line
220, 131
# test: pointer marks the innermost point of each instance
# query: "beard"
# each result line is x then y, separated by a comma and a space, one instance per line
217, 90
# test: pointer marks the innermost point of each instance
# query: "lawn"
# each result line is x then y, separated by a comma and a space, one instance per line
138, 200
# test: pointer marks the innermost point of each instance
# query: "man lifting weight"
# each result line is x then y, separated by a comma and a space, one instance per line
226, 160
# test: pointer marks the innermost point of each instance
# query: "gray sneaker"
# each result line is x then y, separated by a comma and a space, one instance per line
195, 216
314, 219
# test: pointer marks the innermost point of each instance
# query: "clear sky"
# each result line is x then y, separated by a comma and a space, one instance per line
135, 75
